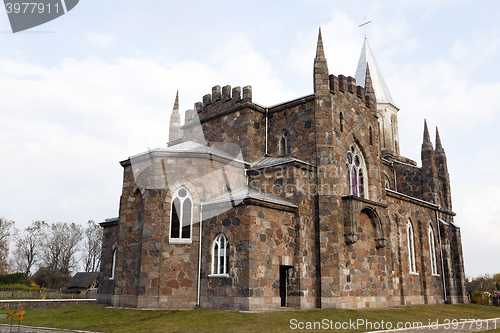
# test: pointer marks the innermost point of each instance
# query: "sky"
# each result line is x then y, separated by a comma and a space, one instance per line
97, 85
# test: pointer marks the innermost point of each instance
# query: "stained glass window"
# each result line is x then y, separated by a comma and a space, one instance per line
356, 172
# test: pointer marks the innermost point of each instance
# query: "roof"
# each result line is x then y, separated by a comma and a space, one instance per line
268, 161
192, 147
82, 279
245, 193
381, 90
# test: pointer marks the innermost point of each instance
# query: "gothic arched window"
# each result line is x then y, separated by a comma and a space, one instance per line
432, 251
285, 147
181, 217
411, 247
356, 172
220, 255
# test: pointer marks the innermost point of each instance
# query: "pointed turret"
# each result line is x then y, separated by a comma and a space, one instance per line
429, 171
439, 147
321, 80
175, 121
369, 91
427, 138
320, 52
442, 169
385, 105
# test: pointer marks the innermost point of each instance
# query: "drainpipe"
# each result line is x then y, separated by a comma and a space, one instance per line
442, 260
199, 259
267, 115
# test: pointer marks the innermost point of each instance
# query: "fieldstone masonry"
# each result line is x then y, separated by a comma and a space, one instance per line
312, 200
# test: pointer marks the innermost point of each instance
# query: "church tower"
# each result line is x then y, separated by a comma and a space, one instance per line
387, 110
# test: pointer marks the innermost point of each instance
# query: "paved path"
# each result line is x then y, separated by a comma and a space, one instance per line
28, 329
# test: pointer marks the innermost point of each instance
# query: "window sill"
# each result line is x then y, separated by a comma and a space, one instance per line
218, 275
180, 241
437, 275
414, 273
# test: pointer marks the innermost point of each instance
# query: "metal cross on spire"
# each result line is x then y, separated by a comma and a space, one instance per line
364, 25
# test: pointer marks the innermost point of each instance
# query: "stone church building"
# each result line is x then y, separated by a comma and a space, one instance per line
304, 204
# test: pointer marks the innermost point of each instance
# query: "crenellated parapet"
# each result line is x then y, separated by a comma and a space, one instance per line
222, 100
347, 84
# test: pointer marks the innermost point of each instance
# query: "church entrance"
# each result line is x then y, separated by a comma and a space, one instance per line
284, 272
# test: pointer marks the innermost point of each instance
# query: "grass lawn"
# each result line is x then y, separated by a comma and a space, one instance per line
101, 319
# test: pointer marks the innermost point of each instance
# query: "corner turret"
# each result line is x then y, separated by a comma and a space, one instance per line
429, 170
442, 169
321, 79
175, 121
369, 91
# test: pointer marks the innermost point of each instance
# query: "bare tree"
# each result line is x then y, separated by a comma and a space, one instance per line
61, 245
29, 246
6, 230
93, 245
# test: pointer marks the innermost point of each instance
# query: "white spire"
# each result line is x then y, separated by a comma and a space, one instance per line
381, 91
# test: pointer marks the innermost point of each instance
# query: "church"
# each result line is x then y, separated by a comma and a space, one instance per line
304, 204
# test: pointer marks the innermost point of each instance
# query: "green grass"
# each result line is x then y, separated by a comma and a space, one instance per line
99, 318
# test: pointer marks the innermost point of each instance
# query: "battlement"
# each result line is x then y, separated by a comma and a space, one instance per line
220, 101
348, 85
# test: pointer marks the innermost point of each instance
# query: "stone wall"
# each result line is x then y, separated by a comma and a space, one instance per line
262, 240
42, 304
230, 123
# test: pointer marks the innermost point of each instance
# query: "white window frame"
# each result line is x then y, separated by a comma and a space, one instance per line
411, 247
432, 251
354, 151
221, 242
180, 212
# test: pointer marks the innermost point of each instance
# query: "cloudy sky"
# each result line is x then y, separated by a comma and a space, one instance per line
87, 90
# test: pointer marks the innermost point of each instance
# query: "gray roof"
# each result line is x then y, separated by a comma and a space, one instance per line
268, 161
82, 279
192, 147
381, 91
245, 193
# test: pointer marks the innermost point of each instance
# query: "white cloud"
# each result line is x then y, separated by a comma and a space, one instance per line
66, 127
100, 40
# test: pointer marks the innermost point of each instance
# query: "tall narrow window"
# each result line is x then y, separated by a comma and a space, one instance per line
181, 217
432, 251
341, 119
356, 172
392, 135
411, 247
113, 265
370, 133
220, 255
285, 140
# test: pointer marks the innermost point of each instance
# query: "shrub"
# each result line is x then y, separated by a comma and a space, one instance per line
479, 297
12, 278
19, 287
